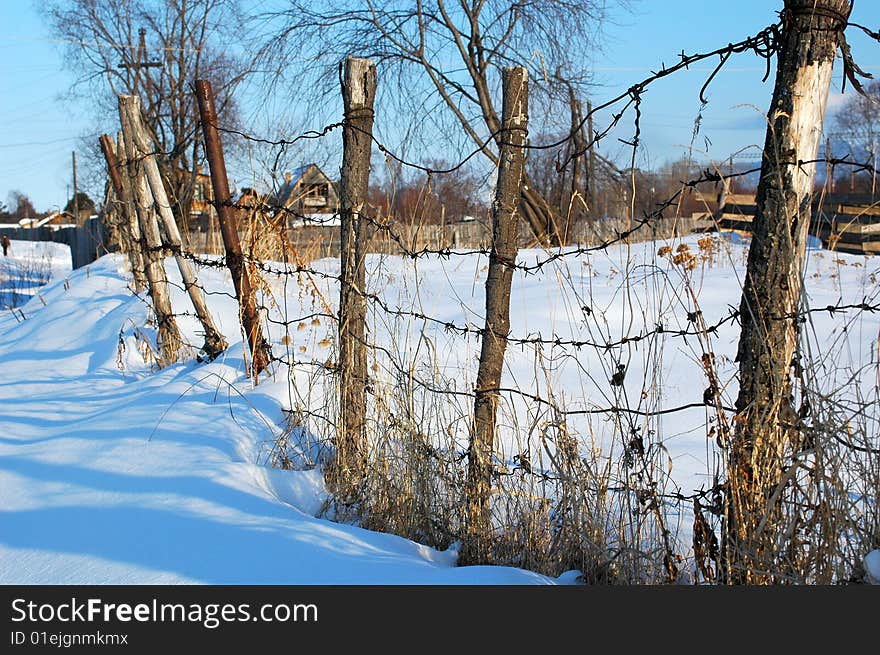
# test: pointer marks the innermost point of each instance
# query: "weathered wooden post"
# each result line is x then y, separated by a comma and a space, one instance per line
112, 169
126, 210
134, 226
244, 292
214, 341
358, 93
502, 259
110, 213
168, 338
767, 429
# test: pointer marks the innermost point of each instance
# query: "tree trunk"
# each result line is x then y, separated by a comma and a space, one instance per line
767, 432
477, 547
359, 93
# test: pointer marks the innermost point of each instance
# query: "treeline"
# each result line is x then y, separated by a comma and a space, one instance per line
19, 206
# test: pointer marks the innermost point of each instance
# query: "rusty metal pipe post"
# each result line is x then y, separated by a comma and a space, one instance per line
244, 291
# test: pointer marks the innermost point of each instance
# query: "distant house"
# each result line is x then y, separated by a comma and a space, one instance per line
202, 207
54, 220
307, 193
248, 202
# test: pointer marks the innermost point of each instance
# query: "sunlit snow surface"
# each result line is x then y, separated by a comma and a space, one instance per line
112, 472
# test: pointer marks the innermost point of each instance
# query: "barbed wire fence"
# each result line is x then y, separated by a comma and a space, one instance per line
548, 496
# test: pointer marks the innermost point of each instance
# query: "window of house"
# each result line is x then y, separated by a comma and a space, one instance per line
316, 191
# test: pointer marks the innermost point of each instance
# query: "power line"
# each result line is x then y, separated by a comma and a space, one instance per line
27, 144
106, 44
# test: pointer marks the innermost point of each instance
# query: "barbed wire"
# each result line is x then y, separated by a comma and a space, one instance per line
615, 406
764, 44
696, 327
219, 262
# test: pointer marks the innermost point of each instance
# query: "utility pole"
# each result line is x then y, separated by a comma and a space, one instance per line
591, 176
141, 62
75, 199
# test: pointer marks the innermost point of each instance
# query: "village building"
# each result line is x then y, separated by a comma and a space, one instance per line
54, 220
201, 208
307, 196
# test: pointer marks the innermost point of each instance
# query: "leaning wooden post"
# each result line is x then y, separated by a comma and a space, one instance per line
126, 210
214, 341
134, 227
116, 200
502, 260
250, 320
168, 338
767, 433
358, 93
109, 217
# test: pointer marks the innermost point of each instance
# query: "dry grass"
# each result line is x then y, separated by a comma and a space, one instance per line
561, 503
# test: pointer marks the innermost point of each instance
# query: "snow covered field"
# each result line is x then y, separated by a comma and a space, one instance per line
29, 265
111, 472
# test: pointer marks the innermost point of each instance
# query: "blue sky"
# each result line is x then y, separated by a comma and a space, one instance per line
41, 129
31, 79
657, 30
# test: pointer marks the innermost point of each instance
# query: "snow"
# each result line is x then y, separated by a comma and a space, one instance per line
29, 265
872, 566
317, 220
112, 472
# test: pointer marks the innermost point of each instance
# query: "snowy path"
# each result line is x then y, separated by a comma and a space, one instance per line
111, 476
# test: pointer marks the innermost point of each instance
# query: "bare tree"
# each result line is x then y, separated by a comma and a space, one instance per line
155, 49
857, 126
21, 206
857, 122
413, 197
446, 58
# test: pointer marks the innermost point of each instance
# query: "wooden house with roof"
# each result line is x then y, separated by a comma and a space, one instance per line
306, 193
201, 210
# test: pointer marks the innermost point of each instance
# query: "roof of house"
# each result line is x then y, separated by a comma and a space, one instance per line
243, 192
40, 222
286, 190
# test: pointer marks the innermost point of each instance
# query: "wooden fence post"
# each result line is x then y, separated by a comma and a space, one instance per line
134, 225
214, 341
250, 320
111, 211
502, 258
168, 339
358, 94
113, 201
767, 432
126, 211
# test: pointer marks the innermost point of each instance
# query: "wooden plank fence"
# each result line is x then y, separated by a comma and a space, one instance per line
845, 222
86, 242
